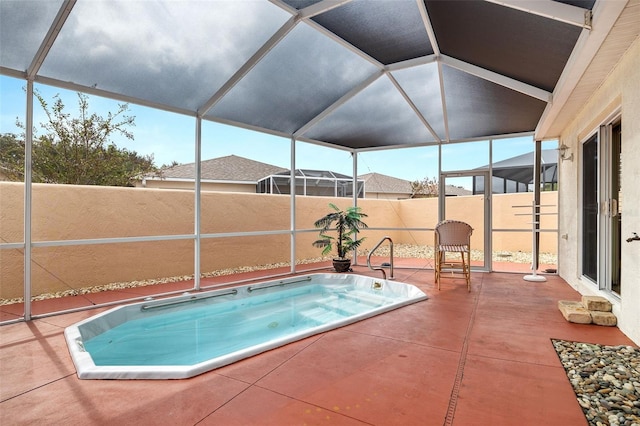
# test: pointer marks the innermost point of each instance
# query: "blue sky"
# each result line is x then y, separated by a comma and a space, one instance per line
169, 137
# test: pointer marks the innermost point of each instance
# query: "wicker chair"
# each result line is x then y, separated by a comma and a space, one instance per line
453, 236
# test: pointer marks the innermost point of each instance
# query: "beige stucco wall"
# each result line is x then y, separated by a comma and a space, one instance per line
621, 90
505, 215
70, 212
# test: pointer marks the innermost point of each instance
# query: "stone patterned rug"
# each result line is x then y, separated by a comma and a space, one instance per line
606, 380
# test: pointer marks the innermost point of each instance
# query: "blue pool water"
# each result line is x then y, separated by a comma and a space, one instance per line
187, 335
184, 337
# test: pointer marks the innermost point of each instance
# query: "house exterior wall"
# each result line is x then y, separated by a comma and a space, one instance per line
242, 187
386, 195
206, 186
620, 91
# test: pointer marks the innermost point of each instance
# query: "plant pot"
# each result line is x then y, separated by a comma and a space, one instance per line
341, 265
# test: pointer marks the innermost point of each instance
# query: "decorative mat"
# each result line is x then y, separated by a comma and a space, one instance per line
606, 380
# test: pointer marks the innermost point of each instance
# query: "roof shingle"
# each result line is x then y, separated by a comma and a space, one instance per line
228, 168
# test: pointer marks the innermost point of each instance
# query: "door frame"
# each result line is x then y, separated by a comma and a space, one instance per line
484, 173
607, 206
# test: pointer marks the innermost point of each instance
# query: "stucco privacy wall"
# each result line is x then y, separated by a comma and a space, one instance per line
69, 212
621, 90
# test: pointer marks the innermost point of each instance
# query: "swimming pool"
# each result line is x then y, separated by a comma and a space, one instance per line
187, 335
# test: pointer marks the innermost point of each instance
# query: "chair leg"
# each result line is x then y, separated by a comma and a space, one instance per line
467, 271
441, 257
465, 267
435, 266
438, 267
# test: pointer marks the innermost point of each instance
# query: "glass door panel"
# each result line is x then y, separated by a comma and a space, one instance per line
602, 206
616, 206
590, 208
465, 197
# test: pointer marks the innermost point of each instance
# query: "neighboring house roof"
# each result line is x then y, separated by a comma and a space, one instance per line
233, 168
311, 173
376, 182
230, 168
457, 191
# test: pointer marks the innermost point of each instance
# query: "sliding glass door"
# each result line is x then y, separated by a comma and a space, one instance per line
602, 207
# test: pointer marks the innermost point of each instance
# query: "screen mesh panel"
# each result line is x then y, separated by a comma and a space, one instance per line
524, 46
23, 26
169, 53
422, 84
477, 107
297, 80
378, 115
390, 31
304, 68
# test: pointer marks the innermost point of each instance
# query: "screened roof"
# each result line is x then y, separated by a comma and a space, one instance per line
312, 183
356, 74
520, 168
314, 174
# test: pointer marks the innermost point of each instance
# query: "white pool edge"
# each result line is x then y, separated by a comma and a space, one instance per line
86, 368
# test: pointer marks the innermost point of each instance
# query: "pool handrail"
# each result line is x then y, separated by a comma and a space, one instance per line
381, 269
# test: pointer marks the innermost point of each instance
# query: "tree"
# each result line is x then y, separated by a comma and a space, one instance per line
77, 150
425, 188
11, 157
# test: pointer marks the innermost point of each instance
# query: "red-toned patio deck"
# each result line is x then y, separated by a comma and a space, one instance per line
459, 358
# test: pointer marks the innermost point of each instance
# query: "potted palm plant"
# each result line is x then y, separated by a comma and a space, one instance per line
347, 223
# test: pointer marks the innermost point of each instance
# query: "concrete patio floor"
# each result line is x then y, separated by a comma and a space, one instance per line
459, 358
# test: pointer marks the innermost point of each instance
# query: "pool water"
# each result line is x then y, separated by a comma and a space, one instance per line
187, 335
202, 332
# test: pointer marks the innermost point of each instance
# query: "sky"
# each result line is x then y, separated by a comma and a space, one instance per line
170, 137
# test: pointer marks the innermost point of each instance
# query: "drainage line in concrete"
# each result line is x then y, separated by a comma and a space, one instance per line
453, 400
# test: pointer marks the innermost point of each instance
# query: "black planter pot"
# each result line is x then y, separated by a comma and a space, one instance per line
342, 265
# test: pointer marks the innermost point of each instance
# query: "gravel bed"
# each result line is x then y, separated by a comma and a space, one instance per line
426, 252
154, 281
606, 380
410, 251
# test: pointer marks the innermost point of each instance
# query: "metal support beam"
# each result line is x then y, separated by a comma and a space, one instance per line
95, 90
537, 167
353, 92
320, 7
496, 78
428, 27
443, 100
292, 204
198, 204
414, 107
572, 15
50, 38
354, 186
248, 66
28, 172
410, 63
